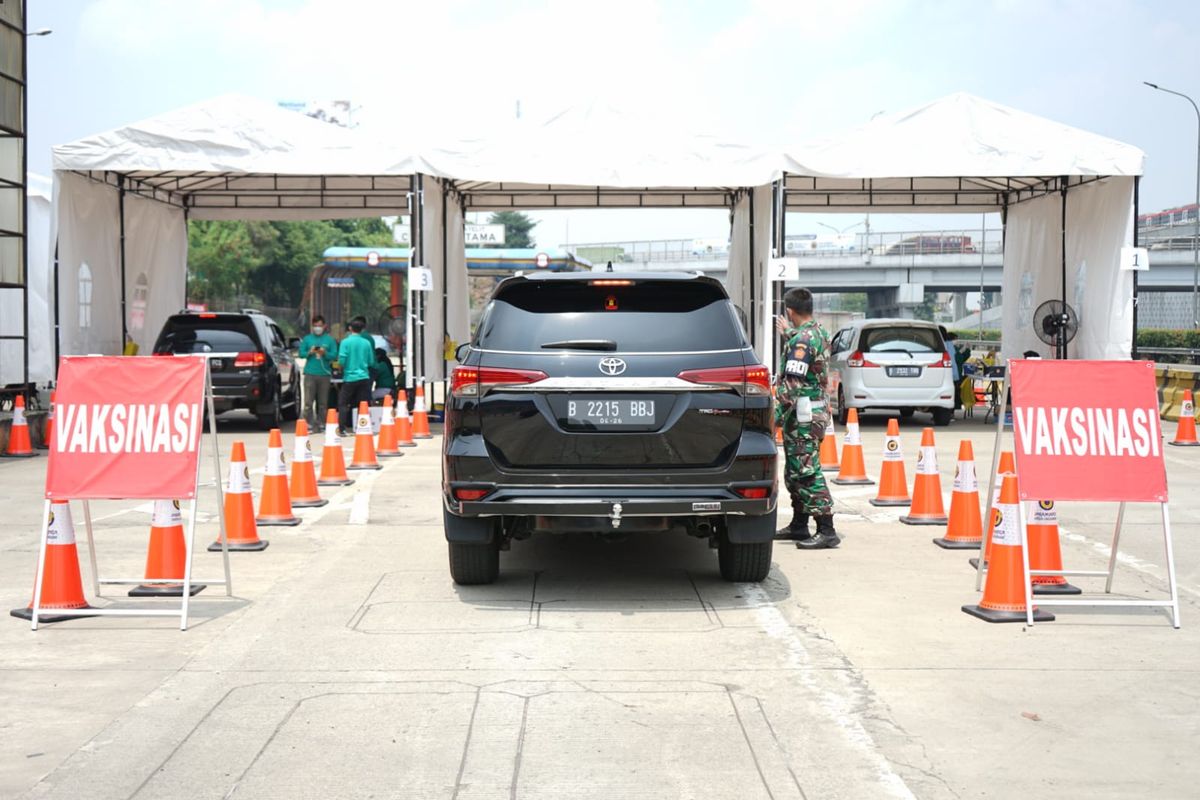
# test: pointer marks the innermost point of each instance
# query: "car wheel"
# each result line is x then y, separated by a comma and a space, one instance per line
842, 412
474, 564
745, 562
942, 416
906, 412
274, 416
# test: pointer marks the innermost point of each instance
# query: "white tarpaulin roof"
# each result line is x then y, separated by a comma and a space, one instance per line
236, 157
962, 135
596, 156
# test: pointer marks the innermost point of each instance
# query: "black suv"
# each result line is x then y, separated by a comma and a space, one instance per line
609, 403
256, 370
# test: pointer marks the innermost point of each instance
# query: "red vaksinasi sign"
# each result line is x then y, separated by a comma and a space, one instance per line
126, 427
1088, 430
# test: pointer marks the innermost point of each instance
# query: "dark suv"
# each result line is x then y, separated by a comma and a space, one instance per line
609, 403
256, 370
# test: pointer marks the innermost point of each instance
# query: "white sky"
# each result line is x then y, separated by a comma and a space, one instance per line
761, 71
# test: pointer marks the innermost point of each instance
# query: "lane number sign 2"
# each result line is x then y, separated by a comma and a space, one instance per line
784, 269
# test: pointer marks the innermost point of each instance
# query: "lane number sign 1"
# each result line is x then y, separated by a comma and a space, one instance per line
784, 269
1135, 258
420, 279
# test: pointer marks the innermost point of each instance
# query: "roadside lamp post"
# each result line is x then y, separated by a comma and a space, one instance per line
1196, 232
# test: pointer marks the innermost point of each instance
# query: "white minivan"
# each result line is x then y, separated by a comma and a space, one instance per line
891, 365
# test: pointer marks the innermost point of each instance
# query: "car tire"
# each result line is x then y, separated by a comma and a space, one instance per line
942, 416
747, 562
274, 416
474, 564
842, 413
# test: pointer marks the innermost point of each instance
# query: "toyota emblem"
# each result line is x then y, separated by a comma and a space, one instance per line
612, 366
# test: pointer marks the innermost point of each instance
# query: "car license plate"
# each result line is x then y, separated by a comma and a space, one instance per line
904, 372
597, 412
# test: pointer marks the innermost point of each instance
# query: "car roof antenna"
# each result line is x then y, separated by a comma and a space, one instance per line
609, 267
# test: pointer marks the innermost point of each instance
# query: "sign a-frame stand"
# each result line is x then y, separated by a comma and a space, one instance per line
168, 383
1109, 448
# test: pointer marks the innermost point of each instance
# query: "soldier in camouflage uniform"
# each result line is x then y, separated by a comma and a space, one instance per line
802, 412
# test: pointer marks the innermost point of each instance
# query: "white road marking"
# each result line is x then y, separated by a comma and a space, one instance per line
360, 507
838, 701
1133, 562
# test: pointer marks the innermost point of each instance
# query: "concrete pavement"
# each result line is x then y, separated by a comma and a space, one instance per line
348, 665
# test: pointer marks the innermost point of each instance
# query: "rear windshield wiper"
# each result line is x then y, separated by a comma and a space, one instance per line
581, 344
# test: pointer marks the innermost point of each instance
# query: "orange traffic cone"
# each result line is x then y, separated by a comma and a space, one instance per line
853, 471
388, 444
829, 454
364, 445
1044, 550
333, 460
48, 430
927, 507
240, 530
1004, 593
404, 431
1007, 466
965, 528
304, 477
893, 485
167, 554
1185, 431
18, 434
275, 504
421, 416
62, 585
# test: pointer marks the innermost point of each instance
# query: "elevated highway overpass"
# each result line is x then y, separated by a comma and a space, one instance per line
1170, 271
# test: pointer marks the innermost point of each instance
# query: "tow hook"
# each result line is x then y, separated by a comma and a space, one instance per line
616, 515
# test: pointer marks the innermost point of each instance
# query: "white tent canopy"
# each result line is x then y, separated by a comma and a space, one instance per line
239, 158
1066, 197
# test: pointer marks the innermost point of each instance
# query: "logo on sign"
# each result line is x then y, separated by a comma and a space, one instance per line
612, 366
997, 517
1046, 505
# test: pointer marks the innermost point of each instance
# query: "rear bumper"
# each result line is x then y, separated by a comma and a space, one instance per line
859, 396
579, 501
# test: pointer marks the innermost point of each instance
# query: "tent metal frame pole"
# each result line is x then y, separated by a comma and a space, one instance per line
24, 209
445, 280
1133, 351
1060, 345
57, 312
753, 294
121, 252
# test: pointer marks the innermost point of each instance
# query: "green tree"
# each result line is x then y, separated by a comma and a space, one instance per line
518, 228
221, 257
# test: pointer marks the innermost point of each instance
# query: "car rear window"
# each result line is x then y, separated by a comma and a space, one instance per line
647, 316
902, 339
198, 335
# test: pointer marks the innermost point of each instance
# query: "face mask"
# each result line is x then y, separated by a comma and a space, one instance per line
318, 330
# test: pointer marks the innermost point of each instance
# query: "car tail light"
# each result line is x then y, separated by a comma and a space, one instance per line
857, 359
470, 494
945, 362
473, 381
751, 380
208, 316
250, 360
610, 282
753, 492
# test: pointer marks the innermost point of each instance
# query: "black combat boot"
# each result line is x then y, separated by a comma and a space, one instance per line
797, 529
825, 538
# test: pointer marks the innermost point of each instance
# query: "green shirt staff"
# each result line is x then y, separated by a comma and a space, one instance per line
319, 352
